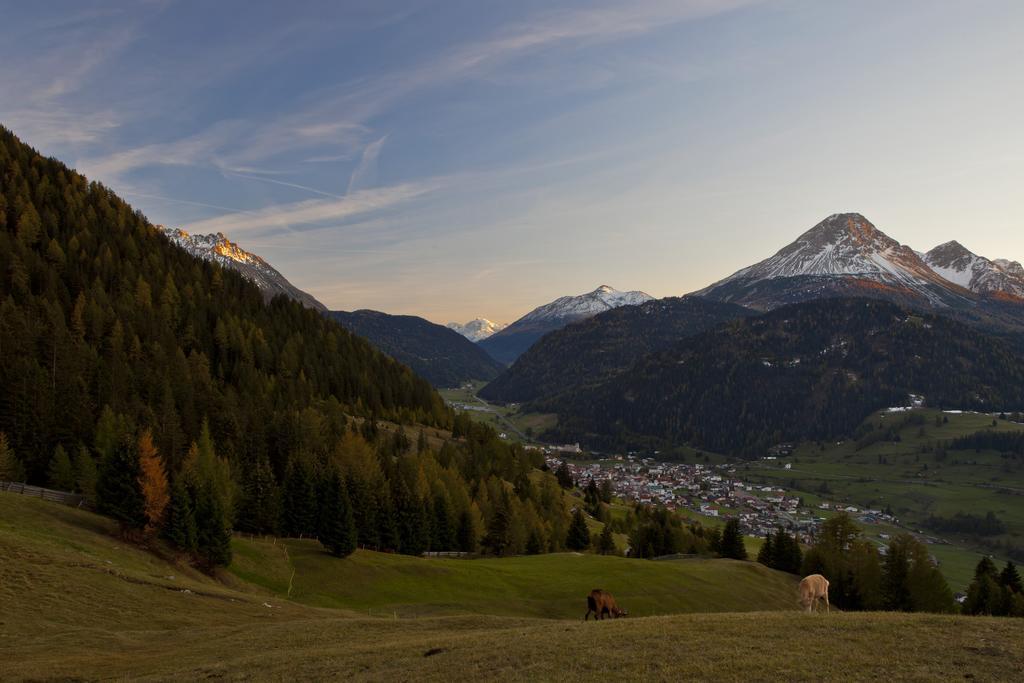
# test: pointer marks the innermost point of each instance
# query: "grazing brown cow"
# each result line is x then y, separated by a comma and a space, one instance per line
601, 602
812, 589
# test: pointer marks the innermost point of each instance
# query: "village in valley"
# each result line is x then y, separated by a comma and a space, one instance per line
711, 490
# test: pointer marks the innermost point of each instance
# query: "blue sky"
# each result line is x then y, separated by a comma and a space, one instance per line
463, 159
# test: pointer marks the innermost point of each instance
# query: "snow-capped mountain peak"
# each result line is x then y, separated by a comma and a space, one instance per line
507, 344
957, 264
219, 249
602, 299
477, 329
843, 244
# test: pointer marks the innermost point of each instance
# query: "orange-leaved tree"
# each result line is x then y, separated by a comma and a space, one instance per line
153, 481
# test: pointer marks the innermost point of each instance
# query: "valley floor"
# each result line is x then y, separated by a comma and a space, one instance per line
79, 604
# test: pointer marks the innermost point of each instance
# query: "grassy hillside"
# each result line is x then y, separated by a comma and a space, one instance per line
78, 603
550, 586
914, 478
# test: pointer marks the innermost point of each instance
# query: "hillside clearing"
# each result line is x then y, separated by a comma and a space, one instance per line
79, 603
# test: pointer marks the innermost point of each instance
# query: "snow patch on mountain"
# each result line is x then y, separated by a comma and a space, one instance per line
958, 264
604, 298
219, 249
847, 246
477, 329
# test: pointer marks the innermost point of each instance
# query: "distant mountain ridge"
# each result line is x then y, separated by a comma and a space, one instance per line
219, 249
507, 344
440, 355
592, 350
477, 329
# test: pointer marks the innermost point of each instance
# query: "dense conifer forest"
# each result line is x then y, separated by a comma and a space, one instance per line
588, 352
807, 371
168, 390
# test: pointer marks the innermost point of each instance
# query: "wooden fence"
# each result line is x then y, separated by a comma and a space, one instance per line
73, 499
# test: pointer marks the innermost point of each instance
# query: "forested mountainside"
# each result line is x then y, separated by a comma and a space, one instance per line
165, 388
807, 371
440, 355
98, 309
589, 352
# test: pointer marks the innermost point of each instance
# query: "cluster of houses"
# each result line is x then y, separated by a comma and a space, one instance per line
709, 490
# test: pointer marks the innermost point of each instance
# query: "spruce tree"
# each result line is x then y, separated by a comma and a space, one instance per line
298, 507
766, 555
497, 538
61, 474
786, 554
1010, 578
118, 493
732, 545
606, 542
895, 573
338, 531
443, 533
259, 508
983, 595
578, 537
85, 472
11, 468
364, 507
564, 476
387, 523
180, 525
213, 536
534, 545
465, 535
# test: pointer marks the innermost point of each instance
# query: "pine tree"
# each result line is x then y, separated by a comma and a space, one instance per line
606, 542
85, 473
153, 482
578, 538
118, 493
732, 545
61, 475
180, 524
338, 531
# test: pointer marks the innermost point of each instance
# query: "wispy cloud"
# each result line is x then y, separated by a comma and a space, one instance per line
286, 217
365, 173
362, 101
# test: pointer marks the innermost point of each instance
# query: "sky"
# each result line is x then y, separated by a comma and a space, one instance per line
479, 158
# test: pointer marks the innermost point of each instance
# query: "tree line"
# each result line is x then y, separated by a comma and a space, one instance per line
904, 579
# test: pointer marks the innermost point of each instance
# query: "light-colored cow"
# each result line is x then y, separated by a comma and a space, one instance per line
812, 589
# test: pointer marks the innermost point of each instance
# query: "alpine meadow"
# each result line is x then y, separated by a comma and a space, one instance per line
245, 434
